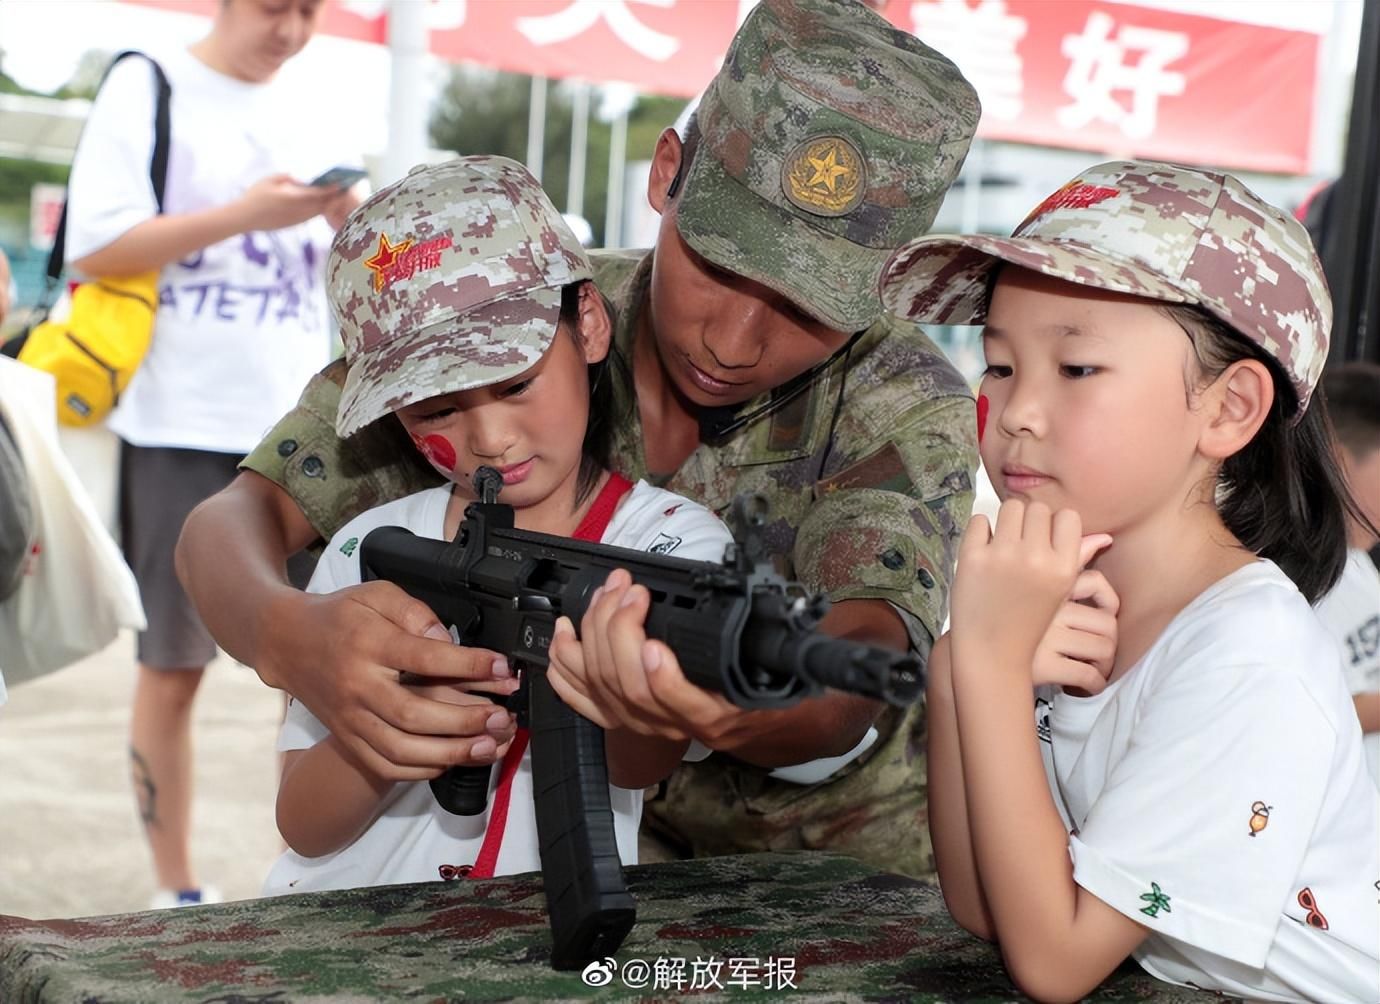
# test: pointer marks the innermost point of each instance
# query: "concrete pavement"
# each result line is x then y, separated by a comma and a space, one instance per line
70, 840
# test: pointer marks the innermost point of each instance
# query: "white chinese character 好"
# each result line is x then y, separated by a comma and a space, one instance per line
1098, 67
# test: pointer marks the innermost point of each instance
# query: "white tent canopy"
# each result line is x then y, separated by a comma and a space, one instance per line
45, 129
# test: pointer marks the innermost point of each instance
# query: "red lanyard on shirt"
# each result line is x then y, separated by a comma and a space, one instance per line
591, 529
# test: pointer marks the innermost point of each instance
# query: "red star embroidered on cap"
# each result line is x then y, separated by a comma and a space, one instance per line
1075, 195
384, 258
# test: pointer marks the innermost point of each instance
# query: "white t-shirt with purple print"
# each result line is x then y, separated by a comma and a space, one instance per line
244, 323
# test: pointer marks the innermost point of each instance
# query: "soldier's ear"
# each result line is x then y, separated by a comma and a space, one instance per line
595, 330
664, 178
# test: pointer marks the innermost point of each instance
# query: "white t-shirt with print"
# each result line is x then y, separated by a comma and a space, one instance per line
413, 836
243, 323
1215, 793
1351, 611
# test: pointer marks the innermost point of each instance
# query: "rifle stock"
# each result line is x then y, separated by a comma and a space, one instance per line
736, 627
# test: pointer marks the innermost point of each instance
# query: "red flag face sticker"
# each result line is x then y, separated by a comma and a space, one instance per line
438, 451
982, 406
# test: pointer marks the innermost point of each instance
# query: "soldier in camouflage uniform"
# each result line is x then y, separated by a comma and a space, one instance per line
759, 358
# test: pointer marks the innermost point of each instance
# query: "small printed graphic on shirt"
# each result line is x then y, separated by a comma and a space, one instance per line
1155, 901
348, 548
1363, 643
1260, 816
664, 544
1042, 719
672, 511
1314, 917
449, 873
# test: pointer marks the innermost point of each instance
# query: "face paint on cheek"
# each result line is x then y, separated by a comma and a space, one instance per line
982, 406
438, 451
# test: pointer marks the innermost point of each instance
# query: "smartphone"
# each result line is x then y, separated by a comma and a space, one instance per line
339, 177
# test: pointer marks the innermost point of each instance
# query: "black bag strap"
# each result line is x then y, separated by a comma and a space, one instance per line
158, 165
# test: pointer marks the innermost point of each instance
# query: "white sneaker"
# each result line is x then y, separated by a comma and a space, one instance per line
170, 899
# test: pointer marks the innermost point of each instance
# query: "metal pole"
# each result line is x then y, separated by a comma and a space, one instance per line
536, 127
972, 188
618, 165
407, 115
1351, 249
579, 132
1330, 99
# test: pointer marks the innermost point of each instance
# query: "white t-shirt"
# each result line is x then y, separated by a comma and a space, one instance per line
413, 837
1351, 612
244, 323
1215, 793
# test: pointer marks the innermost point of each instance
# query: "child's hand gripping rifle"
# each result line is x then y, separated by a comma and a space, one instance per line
737, 628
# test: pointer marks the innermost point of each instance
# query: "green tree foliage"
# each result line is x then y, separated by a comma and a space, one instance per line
482, 111
8, 85
86, 78
17, 179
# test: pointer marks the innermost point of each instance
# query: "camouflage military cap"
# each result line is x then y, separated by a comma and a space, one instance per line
1161, 231
827, 139
448, 279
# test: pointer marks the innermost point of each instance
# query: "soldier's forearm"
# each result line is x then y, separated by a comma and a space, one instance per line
816, 729
638, 761
232, 559
832, 725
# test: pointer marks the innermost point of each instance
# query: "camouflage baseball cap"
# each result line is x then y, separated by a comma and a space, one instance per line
448, 279
827, 139
1161, 231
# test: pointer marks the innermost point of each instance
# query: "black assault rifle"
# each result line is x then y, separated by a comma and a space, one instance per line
737, 628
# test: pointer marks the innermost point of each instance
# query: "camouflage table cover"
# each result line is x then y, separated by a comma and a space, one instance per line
804, 926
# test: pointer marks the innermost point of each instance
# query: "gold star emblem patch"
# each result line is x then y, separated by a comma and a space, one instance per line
825, 176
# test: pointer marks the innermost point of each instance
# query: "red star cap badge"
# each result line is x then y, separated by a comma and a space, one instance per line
384, 258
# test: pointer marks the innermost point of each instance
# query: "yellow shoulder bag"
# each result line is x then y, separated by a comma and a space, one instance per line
95, 351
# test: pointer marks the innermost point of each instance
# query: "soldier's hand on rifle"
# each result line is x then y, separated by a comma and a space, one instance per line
500, 724
361, 640
615, 676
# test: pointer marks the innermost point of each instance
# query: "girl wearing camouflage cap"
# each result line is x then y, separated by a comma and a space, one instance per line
469, 318
1192, 792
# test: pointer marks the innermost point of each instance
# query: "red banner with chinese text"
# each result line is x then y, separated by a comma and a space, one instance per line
1134, 81
1110, 77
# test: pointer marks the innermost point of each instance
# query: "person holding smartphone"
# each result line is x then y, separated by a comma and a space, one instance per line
242, 321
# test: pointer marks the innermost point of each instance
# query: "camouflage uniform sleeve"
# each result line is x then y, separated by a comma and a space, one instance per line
886, 522
333, 480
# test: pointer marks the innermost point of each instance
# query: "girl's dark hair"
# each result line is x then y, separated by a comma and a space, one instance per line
1283, 495
1353, 403
597, 451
